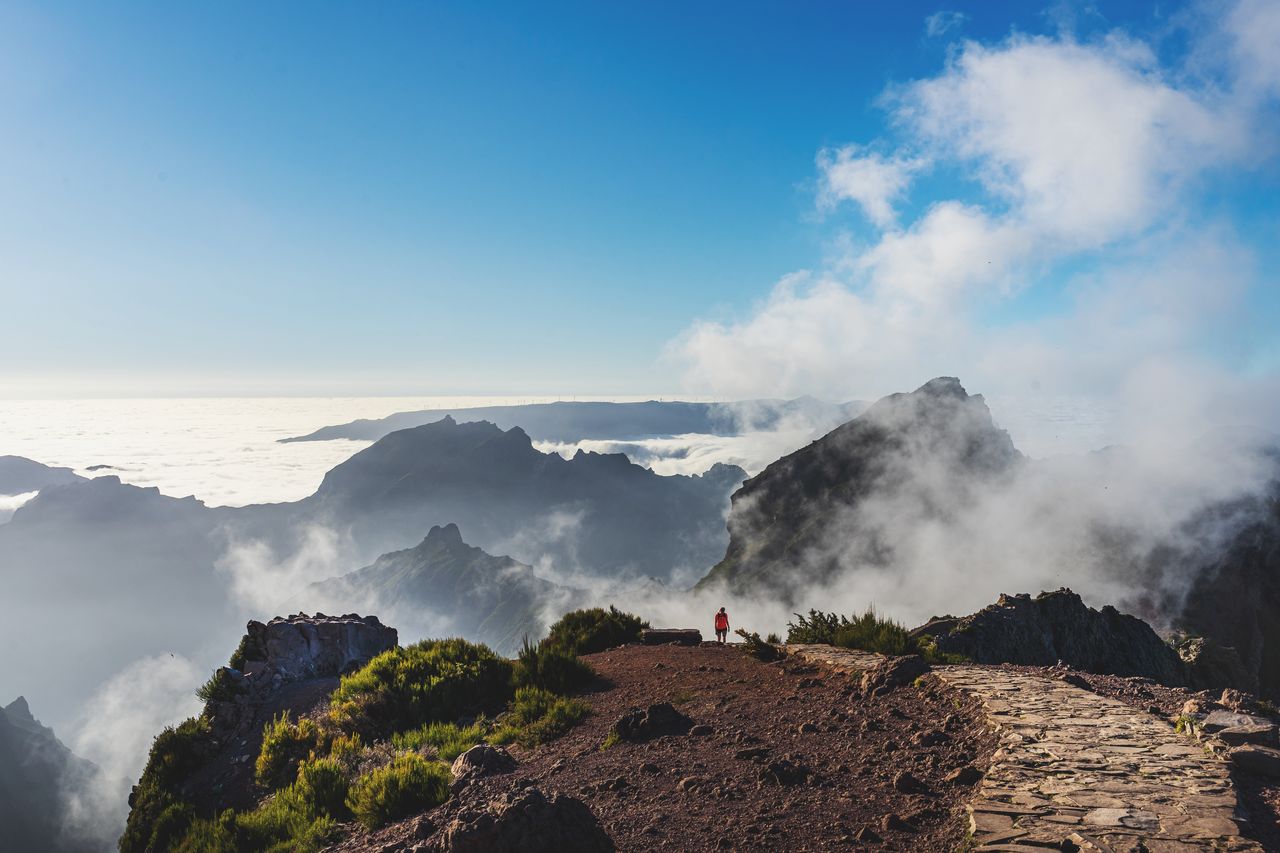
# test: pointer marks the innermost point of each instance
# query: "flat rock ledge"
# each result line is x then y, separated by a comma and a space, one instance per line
665, 636
1079, 771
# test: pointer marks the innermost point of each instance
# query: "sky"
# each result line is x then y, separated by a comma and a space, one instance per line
727, 199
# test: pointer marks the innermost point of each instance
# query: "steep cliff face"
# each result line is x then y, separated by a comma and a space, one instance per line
797, 518
1058, 626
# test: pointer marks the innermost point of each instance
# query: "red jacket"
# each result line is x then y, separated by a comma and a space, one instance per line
722, 621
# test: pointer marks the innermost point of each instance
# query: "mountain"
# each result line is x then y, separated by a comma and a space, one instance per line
94, 554
19, 476
572, 421
599, 513
801, 513
493, 600
37, 776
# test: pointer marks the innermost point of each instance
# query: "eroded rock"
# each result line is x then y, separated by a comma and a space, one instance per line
528, 821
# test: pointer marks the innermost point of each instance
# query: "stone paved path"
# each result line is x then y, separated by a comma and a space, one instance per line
1076, 770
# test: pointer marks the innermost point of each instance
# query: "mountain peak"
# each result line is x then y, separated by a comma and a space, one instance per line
447, 536
943, 386
20, 709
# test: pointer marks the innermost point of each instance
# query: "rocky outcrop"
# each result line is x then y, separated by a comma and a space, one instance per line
1058, 626
892, 672
641, 724
799, 518
301, 646
528, 821
666, 636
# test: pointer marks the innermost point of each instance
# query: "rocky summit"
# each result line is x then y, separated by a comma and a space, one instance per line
800, 514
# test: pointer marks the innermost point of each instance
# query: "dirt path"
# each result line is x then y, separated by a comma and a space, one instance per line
1076, 768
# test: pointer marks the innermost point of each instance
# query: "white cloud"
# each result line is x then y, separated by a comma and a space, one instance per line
942, 22
1089, 154
876, 183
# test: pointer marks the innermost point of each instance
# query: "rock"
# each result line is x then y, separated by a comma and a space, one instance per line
866, 835
1219, 720
302, 646
1196, 707
482, 760
891, 673
665, 636
1238, 701
689, 784
649, 767
1262, 760
1210, 664
908, 784
1057, 627
807, 728
751, 753
527, 821
701, 730
895, 823
643, 724
784, 772
1263, 734
967, 775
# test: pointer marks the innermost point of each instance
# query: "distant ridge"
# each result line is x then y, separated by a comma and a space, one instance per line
573, 421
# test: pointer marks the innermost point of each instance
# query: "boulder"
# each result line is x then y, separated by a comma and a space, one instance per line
641, 724
528, 821
1262, 760
302, 646
667, 636
891, 673
482, 760
1219, 720
1263, 734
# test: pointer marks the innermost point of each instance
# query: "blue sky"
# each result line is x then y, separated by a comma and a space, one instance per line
540, 198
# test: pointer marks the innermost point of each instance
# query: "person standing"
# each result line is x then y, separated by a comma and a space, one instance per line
722, 626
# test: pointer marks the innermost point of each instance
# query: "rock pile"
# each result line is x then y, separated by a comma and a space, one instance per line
528, 821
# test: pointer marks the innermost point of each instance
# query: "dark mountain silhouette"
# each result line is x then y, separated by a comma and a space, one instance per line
494, 600
796, 515
19, 476
572, 421
37, 775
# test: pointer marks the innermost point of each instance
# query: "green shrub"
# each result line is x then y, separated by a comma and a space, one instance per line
433, 680
773, 639
208, 836
284, 745
346, 749
448, 739
322, 786
219, 687
247, 650
286, 822
584, 632
551, 668
537, 716
758, 648
407, 785
868, 632
176, 753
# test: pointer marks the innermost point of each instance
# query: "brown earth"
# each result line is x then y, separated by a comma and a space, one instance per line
877, 766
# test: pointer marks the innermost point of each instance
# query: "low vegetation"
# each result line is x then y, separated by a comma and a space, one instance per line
381, 751
585, 632
284, 745
538, 716
764, 650
220, 687
550, 667
868, 631
429, 681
